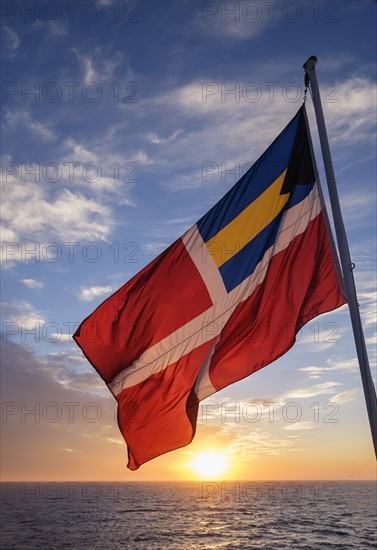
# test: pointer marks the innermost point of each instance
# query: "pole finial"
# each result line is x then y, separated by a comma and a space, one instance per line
311, 62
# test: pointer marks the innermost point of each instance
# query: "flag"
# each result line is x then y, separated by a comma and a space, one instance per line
224, 300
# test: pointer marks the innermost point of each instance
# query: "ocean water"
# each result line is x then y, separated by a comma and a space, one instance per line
189, 515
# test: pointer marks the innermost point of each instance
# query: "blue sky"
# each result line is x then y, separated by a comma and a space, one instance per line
122, 124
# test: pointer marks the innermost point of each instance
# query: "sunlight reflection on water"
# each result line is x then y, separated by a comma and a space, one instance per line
188, 516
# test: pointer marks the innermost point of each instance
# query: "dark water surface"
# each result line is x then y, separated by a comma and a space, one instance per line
189, 515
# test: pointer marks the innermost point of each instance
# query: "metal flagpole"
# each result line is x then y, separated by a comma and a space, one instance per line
347, 265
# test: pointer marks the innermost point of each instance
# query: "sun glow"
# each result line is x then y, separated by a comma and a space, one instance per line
209, 464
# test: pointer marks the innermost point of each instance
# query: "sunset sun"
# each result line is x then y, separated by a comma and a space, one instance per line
209, 465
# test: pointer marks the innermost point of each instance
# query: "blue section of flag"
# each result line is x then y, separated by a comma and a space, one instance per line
242, 264
257, 179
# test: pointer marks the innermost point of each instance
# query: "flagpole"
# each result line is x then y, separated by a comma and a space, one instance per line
345, 259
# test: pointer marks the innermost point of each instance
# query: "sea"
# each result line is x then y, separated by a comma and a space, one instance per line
223, 515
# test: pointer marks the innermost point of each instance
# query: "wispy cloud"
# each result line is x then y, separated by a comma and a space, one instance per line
115, 441
105, 2
93, 168
299, 426
321, 339
32, 283
368, 300
231, 21
10, 40
345, 396
78, 152
350, 364
97, 66
155, 247
21, 118
315, 372
350, 110
371, 340
50, 29
62, 356
357, 205
318, 389
88, 294
158, 140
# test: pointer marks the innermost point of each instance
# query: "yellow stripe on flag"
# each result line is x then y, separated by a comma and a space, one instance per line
240, 231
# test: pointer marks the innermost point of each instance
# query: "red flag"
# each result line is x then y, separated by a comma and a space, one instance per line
224, 300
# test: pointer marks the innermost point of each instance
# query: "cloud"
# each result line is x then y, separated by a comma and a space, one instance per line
52, 29
78, 152
314, 372
351, 364
318, 389
222, 410
62, 357
217, 131
321, 339
30, 213
232, 21
23, 315
358, 205
368, 310
86, 63
56, 370
35, 210
209, 111
97, 66
298, 426
100, 170
371, 340
345, 396
141, 157
52, 409
7, 235
349, 107
116, 441
245, 444
155, 247
158, 140
61, 337
105, 3
90, 293
10, 40
74, 374
21, 119
32, 283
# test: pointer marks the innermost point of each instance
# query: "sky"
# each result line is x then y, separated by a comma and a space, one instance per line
122, 124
